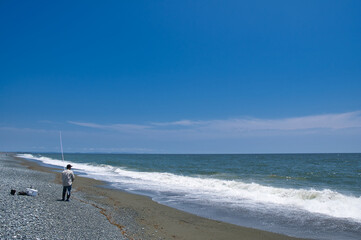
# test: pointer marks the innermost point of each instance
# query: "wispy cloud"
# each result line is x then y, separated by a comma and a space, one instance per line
239, 125
117, 127
327, 121
325, 133
185, 123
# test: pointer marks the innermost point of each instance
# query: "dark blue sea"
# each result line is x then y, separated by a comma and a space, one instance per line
314, 196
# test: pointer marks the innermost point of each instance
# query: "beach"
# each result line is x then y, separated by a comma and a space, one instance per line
96, 211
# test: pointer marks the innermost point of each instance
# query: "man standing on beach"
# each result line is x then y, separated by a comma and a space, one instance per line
68, 178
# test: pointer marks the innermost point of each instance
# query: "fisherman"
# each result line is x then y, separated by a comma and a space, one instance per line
68, 179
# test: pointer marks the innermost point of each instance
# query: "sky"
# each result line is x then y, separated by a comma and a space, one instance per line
180, 76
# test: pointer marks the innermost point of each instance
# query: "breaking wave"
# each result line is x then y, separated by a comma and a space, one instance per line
231, 192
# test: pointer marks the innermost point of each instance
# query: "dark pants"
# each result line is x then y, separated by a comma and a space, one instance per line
66, 189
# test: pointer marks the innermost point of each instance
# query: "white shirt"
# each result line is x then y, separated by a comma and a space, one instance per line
67, 177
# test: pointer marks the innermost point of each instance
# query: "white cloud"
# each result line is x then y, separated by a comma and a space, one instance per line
327, 121
239, 126
317, 133
178, 123
117, 127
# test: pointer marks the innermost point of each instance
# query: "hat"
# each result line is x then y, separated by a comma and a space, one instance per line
68, 166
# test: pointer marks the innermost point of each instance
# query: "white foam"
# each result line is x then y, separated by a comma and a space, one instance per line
219, 191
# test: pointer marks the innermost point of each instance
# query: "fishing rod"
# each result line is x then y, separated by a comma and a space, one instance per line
61, 147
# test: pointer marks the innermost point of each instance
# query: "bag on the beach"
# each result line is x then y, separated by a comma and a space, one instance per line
12, 192
31, 192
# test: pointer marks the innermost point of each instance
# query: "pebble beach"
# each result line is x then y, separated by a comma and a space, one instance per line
44, 216
95, 211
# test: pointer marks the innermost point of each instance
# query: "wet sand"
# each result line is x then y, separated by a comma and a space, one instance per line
155, 220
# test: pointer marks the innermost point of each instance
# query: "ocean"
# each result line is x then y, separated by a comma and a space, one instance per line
314, 196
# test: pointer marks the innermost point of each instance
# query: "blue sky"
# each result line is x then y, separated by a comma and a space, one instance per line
180, 76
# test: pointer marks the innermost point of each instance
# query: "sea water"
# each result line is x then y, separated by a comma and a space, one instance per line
314, 196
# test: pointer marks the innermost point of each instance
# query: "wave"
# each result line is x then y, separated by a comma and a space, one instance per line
218, 191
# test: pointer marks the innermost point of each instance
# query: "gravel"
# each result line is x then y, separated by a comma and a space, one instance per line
45, 216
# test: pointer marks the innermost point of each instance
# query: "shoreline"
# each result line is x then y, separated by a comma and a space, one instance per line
155, 221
